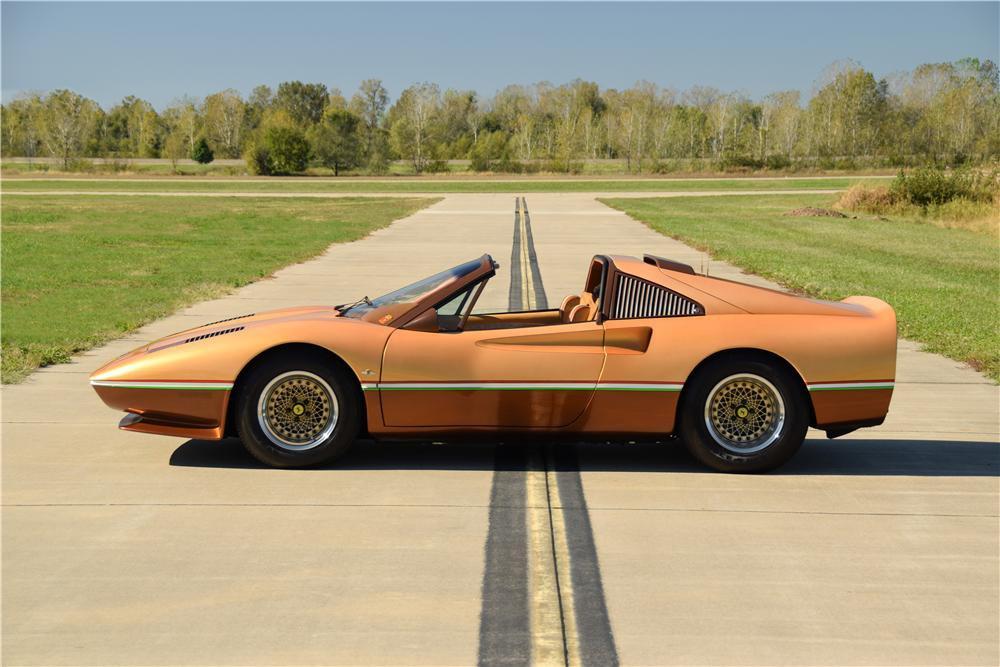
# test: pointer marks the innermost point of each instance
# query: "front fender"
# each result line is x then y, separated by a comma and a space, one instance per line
183, 388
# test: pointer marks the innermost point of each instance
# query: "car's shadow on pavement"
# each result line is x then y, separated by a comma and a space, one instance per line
931, 458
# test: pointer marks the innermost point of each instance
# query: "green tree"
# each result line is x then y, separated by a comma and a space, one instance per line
370, 103
847, 113
260, 101
223, 118
132, 128
175, 147
781, 119
185, 117
303, 102
336, 141
22, 126
335, 100
939, 112
490, 152
412, 120
67, 121
257, 158
279, 150
201, 152
288, 149
456, 125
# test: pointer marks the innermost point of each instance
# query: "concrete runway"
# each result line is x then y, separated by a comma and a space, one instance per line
120, 548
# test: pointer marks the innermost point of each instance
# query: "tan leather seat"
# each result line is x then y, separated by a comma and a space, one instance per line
568, 304
585, 310
580, 313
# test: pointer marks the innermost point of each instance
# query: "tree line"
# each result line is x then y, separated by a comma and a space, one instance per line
937, 113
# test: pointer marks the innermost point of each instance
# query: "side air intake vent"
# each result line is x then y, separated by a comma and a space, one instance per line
221, 332
228, 319
635, 298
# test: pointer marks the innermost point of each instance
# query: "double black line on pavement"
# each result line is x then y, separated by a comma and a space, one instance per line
542, 596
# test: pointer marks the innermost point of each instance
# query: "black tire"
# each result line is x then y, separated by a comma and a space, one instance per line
278, 374
777, 443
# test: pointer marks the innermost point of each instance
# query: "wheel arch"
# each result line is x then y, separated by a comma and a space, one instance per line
310, 349
746, 354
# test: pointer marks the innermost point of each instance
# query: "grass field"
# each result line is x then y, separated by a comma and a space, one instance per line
80, 271
942, 282
427, 185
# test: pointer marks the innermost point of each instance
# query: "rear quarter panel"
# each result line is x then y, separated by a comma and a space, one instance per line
822, 349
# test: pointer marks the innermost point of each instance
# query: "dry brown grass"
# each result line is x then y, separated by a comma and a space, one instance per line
981, 217
961, 213
866, 198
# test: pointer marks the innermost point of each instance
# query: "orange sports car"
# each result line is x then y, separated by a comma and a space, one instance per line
647, 349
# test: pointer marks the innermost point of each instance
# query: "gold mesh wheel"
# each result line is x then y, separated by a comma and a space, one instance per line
744, 413
297, 410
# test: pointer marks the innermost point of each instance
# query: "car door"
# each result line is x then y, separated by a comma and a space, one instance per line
530, 377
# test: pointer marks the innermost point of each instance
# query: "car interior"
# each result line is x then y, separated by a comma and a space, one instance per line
457, 312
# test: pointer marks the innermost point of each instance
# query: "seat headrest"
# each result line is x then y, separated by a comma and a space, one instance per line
580, 313
567, 305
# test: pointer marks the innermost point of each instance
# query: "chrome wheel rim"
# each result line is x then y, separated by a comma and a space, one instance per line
297, 410
744, 413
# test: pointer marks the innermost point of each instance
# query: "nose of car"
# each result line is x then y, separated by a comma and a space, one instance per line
111, 369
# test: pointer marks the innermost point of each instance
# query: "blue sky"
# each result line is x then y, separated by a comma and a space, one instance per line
160, 51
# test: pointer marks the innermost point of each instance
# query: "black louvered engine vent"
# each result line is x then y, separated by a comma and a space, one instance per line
221, 332
637, 298
228, 319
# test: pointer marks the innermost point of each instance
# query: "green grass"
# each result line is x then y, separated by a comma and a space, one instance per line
941, 282
80, 271
426, 185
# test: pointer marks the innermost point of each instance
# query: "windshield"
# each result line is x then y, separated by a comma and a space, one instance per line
412, 292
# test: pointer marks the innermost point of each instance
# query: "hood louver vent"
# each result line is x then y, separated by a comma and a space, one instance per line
228, 319
221, 332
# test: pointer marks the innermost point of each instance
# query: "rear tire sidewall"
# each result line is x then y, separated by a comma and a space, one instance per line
262, 448
695, 434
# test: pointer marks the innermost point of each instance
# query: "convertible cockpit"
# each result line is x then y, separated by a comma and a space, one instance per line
446, 302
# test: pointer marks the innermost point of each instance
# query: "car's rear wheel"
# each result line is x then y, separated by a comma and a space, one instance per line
296, 411
743, 416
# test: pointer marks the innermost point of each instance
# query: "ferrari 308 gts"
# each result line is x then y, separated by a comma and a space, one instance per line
648, 349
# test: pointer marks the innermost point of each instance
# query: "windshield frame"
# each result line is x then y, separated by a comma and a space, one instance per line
439, 287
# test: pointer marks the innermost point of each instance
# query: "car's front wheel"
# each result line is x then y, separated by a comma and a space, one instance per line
743, 416
297, 411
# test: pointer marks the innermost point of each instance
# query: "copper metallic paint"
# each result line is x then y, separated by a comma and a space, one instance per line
824, 342
559, 352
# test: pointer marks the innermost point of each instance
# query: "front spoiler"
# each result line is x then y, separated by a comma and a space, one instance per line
161, 425
178, 412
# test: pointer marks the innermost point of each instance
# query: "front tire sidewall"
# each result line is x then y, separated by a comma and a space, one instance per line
261, 447
694, 432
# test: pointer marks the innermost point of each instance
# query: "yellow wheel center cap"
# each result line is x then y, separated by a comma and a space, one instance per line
298, 409
740, 412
